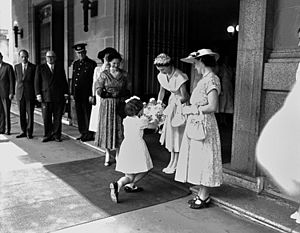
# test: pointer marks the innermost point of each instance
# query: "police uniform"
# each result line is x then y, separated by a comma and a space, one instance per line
82, 81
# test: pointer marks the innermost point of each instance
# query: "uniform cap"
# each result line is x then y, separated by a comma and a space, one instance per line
79, 47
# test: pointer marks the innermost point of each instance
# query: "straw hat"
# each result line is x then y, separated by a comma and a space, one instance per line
191, 58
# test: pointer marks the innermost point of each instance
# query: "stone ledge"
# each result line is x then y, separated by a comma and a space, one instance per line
272, 212
3, 138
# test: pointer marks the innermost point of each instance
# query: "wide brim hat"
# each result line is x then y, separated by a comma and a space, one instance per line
191, 58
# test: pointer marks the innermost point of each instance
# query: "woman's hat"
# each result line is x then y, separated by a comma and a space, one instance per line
191, 58
107, 50
162, 59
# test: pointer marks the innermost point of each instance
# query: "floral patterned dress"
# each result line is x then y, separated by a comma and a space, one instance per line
200, 162
109, 134
172, 136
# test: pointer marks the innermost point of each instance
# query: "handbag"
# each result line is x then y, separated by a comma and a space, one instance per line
178, 118
195, 128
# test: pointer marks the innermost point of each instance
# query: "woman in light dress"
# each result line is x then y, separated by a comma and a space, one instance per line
102, 55
199, 161
174, 81
134, 158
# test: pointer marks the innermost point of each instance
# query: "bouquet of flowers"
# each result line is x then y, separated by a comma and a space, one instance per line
154, 112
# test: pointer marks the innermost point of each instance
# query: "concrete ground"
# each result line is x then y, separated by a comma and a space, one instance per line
63, 187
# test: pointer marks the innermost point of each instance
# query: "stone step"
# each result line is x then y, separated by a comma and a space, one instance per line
270, 211
3, 138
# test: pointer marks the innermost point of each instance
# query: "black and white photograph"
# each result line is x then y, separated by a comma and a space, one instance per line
143, 116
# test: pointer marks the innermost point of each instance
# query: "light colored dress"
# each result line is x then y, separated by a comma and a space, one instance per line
172, 136
298, 72
94, 119
200, 162
134, 156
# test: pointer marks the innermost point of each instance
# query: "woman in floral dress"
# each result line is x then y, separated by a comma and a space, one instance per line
173, 80
112, 89
199, 161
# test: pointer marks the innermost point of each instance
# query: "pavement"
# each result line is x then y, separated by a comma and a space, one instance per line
51, 187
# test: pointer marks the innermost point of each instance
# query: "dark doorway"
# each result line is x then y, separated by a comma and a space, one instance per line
178, 27
49, 30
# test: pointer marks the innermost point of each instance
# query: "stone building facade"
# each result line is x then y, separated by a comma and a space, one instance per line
264, 53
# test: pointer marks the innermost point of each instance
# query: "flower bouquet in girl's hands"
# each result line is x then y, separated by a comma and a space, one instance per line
154, 112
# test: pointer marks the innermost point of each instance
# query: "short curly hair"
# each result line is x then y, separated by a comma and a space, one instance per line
133, 107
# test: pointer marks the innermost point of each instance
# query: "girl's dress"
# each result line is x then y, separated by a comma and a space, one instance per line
109, 132
95, 108
134, 156
172, 136
200, 162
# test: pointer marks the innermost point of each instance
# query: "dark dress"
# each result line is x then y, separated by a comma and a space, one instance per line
112, 91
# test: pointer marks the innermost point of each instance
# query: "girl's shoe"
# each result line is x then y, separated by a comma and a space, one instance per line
295, 215
134, 189
114, 194
200, 204
107, 164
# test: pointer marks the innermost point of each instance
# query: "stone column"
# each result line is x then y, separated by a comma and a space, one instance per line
249, 76
121, 29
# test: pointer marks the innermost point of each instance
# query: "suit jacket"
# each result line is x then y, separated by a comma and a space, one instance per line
7, 80
51, 86
25, 83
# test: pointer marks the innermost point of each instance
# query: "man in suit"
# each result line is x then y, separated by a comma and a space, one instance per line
24, 73
51, 89
7, 91
81, 90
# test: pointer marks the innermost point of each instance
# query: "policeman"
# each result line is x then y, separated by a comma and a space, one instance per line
81, 90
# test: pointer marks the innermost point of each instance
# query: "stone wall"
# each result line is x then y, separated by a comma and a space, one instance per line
281, 64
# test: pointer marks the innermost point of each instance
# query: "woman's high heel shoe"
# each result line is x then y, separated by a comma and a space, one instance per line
200, 204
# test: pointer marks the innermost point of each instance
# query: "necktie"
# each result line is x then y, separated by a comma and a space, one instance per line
24, 69
52, 68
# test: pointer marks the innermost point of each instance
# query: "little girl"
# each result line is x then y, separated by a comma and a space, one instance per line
134, 159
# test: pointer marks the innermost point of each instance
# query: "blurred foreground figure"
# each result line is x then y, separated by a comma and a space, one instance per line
278, 147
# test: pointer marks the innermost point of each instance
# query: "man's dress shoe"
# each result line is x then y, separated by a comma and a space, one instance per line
47, 139
21, 135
